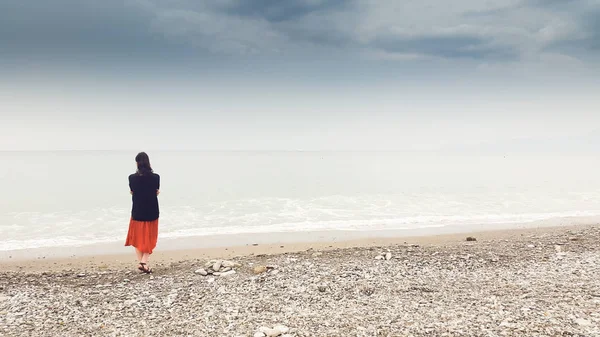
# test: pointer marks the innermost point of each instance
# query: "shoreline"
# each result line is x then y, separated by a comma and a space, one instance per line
174, 250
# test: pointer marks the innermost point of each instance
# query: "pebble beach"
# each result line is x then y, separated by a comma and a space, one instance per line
543, 282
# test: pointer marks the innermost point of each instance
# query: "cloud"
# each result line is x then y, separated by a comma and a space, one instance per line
443, 46
491, 31
68, 26
280, 11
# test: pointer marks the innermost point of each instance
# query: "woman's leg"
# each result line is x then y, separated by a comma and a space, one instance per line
139, 255
145, 257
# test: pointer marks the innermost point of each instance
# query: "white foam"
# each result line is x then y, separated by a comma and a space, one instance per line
193, 229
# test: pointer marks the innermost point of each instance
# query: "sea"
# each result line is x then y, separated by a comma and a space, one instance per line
75, 198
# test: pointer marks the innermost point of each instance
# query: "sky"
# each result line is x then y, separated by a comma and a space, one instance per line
298, 74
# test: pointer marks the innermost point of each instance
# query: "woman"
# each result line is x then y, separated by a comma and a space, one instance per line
144, 186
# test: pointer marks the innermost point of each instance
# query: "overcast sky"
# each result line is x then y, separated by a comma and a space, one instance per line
308, 74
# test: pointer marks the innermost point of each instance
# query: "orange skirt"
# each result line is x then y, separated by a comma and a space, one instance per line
142, 235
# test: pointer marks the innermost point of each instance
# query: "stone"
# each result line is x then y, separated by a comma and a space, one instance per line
388, 256
379, 257
228, 264
227, 273
201, 271
583, 322
259, 270
530, 246
269, 332
81, 275
281, 328
259, 334
226, 269
471, 239
217, 265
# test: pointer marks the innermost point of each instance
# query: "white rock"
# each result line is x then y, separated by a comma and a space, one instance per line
379, 257
209, 263
530, 246
226, 269
217, 265
227, 273
259, 334
201, 271
583, 322
281, 328
270, 332
388, 256
228, 264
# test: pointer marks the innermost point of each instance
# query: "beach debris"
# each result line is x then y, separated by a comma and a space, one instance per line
471, 239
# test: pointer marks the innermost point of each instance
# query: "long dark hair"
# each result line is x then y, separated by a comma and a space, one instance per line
143, 163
